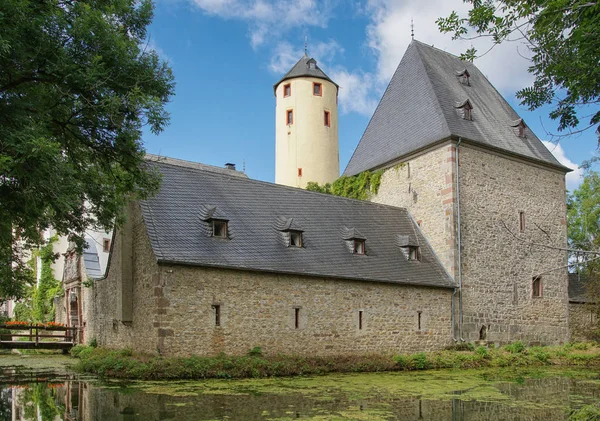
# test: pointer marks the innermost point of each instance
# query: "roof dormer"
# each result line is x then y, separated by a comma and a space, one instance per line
520, 126
217, 224
463, 77
355, 241
409, 246
464, 108
291, 232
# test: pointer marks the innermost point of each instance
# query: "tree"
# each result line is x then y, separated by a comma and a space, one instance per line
77, 85
563, 38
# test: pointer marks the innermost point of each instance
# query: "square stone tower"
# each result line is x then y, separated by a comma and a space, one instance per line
489, 196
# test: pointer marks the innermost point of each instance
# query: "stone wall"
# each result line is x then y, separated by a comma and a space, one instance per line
500, 262
174, 313
498, 265
582, 321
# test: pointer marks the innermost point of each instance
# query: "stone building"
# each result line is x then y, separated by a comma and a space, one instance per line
217, 262
582, 320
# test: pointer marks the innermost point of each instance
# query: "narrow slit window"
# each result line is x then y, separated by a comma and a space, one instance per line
537, 287
295, 239
522, 221
408, 170
299, 172
317, 89
219, 228
296, 318
287, 90
327, 119
360, 320
289, 117
419, 320
217, 314
359, 246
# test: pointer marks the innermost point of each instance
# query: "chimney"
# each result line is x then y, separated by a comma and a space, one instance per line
230, 166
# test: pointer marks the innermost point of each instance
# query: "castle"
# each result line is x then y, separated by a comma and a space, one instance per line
463, 240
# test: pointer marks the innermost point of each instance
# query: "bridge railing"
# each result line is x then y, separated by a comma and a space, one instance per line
38, 336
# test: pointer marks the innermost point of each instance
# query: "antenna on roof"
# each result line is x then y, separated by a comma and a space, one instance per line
244, 165
412, 29
306, 45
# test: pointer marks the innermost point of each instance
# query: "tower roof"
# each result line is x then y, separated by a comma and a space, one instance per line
419, 108
306, 66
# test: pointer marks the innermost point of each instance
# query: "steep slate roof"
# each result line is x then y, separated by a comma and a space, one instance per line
577, 293
91, 260
255, 212
419, 108
302, 69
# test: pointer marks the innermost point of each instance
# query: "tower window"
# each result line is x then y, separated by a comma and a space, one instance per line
287, 90
327, 119
536, 287
359, 246
522, 221
419, 319
360, 320
219, 228
317, 89
217, 314
296, 318
299, 172
295, 239
289, 117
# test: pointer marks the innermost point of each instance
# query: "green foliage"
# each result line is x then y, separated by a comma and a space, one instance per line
482, 351
515, 347
37, 306
565, 51
77, 84
93, 343
255, 352
45, 403
359, 186
587, 413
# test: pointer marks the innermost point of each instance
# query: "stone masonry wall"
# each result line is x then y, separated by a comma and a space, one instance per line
498, 269
424, 185
500, 262
581, 321
174, 314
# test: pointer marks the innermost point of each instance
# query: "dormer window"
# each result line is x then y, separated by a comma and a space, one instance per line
295, 238
287, 90
412, 253
317, 89
312, 63
359, 246
219, 228
520, 126
465, 109
463, 77
410, 247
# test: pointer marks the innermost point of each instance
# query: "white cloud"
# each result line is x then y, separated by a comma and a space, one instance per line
270, 18
285, 55
355, 94
575, 177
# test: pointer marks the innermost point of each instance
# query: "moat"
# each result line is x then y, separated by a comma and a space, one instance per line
43, 389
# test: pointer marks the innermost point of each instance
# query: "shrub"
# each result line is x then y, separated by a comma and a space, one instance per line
515, 348
93, 343
482, 351
255, 352
401, 361
418, 361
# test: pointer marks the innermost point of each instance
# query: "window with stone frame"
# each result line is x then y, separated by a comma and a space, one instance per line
317, 89
536, 287
287, 90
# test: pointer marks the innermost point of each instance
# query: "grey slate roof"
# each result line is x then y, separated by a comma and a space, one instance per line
577, 292
91, 261
419, 108
301, 69
257, 212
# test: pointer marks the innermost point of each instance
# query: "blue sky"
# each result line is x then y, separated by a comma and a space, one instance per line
227, 54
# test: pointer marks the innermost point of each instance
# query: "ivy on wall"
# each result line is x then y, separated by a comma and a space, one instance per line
37, 306
360, 186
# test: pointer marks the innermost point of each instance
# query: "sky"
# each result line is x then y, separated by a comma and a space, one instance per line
227, 54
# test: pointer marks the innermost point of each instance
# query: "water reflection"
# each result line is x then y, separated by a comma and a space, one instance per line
46, 397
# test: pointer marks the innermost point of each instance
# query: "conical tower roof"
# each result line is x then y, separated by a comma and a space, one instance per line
420, 108
306, 66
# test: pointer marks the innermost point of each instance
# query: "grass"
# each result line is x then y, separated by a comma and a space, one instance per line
124, 363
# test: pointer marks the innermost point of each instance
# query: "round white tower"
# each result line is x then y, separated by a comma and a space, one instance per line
306, 126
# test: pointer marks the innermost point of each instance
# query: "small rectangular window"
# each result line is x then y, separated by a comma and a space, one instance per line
522, 221
359, 246
289, 117
317, 89
299, 172
219, 228
217, 314
287, 90
419, 320
327, 119
296, 318
412, 253
537, 287
106, 245
295, 239
360, 320
408, 170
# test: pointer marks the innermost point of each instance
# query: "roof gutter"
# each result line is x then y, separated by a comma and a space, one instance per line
459, 244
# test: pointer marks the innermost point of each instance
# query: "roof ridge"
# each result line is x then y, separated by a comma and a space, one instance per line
192, 164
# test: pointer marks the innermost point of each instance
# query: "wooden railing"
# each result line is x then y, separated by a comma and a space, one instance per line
37, 338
